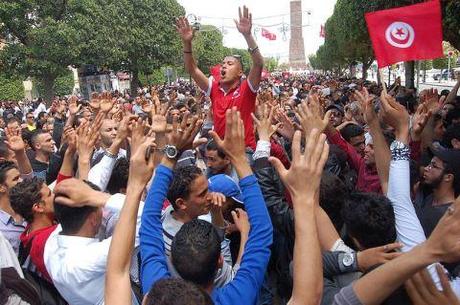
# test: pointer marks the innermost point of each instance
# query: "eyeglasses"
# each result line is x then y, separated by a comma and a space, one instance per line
433, 165
30, 117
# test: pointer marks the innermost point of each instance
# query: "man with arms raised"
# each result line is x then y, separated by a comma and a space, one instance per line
232, 90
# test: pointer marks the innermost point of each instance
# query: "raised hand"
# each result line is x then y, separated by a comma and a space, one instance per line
70, 137
310, 115
286, 129
142, 153
73, 106
430, 98
422, 290
76, 193
365, 101
158, 115
233, 144
182, 136
87, 137
419, 121
106, 102
240, 218
264, 126
395, 115
244, 24
305, 166
14, 140
184, 29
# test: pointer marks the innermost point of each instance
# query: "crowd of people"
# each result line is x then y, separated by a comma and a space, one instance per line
233, 189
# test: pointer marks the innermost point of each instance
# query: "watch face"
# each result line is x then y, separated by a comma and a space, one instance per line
171, 152
348, 259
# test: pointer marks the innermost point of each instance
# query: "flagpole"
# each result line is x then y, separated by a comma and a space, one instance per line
418, 74
383, 81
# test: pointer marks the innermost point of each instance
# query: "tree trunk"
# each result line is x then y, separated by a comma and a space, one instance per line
409, 67
134, 82
48, 86
365, 68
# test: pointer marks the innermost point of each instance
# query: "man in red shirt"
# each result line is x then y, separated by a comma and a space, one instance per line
232, 89
33, 200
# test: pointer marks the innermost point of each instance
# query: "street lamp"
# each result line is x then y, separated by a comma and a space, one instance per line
448, 63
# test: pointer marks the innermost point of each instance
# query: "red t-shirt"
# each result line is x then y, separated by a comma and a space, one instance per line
37, 248
244, 99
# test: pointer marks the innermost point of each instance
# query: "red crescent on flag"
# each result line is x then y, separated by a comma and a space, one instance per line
400, 41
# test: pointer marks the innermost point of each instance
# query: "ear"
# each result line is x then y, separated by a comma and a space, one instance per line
93, 219
220, 261
180, 204
3, 189
227, 160
455, 143
37, 208
449, 177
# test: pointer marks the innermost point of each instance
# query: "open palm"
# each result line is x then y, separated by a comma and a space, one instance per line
184, 29
244, 24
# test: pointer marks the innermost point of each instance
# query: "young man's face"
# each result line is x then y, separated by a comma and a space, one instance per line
108, 132
369, 156
358, 143
434, 173
215, 163
336, 117
45, 143
47, 199
30, 119
230, 70
12, 178
198, 203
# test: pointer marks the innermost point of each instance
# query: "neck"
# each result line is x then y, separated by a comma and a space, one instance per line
41, 221
443, 194
42, 157
209, 288
6, 207
182, 216
228, 86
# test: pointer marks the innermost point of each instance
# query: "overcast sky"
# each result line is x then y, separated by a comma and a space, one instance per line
267, 14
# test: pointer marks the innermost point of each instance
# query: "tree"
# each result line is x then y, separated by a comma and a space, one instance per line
11, 88
271, 64
208, 47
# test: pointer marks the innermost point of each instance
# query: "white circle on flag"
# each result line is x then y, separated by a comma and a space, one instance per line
400, 35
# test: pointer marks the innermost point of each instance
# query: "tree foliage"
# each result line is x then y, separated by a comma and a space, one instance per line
11, 88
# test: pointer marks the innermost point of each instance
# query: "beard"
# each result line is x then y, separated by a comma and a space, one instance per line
433, 184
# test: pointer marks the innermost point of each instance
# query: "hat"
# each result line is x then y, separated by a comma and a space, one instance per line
226, 185
449, 156
337, 107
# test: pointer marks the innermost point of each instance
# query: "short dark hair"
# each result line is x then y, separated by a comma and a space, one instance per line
370, 219
452, 132
34, 136
70, 218
5, 166
212, 145
195, 252
350, 131
13, 119
119, 178
24, 195
176, 291
332, 194
181, 183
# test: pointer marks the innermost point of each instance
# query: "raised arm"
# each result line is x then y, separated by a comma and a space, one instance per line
244, 26
117, 283
307, 166
186, 33
453, 93
15, 142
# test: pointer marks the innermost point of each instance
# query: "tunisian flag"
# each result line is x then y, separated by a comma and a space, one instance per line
267, 34
406, 33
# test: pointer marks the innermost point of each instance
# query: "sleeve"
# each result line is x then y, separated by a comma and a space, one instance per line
100, 173
53, 167
154, 266
346, 296
353, 157
248, 280
408, 227
210, 84
262, 150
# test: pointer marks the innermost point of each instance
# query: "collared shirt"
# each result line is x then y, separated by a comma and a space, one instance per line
11, 229
243, 97
77, 265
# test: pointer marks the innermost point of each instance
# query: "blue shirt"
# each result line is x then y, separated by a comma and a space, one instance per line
11, 229
248, 280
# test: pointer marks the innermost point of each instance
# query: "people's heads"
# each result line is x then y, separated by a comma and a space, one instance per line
108, 132
42, 142
354, 135
82, 221
188, 192
216, 160
357, 112
451, 138
43, 116
174, 114
225, 185
195, 252
443, 170
2, 122
119, 179
438, 127
30, 197
6, 154
9, 176
369, 220
30, 119
332, 205
337, 114
176, 291
231, 69
452, 117
13, 124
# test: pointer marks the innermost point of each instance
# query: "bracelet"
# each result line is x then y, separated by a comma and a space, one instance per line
252, 50
110, 155
187, 52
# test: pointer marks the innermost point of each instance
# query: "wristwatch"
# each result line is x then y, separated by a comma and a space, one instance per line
170, 151
252, 50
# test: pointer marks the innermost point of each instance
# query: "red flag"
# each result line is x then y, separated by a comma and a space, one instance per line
267, 34
322, 32
406, 33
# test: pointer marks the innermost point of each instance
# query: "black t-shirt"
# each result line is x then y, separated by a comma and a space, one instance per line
428, 214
